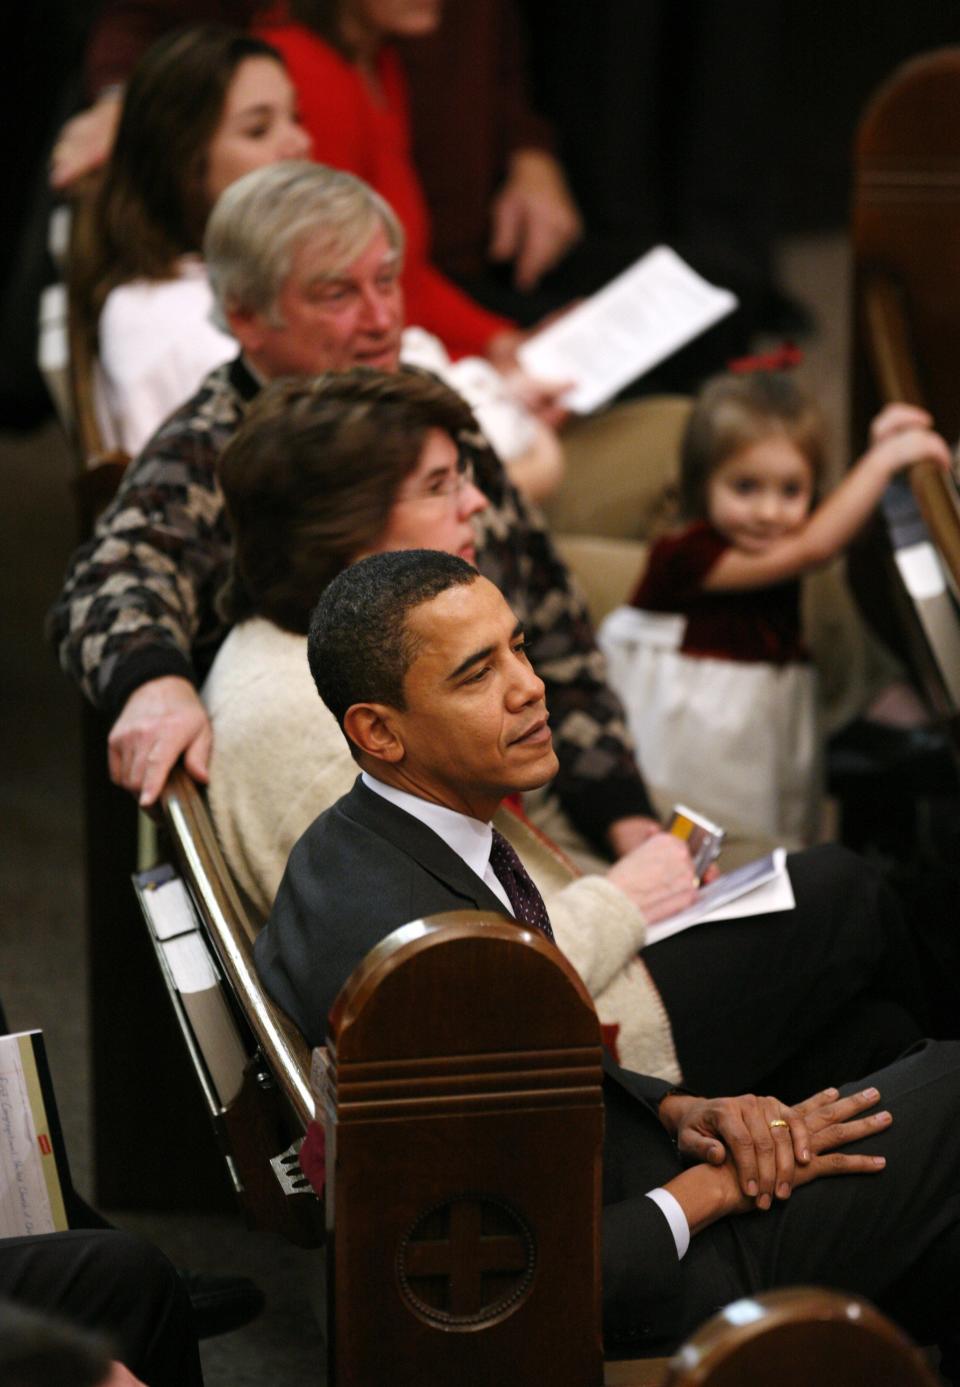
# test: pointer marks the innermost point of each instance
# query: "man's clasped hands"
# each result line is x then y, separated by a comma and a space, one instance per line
749, 1151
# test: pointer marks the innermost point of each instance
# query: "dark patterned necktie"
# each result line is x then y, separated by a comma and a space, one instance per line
525, 900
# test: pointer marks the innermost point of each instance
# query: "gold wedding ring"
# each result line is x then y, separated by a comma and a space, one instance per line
779, 1122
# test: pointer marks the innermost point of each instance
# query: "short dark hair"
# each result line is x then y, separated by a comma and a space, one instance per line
310, 478
359, 645
733, 411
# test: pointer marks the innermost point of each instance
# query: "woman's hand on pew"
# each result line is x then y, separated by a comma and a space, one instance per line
161, 720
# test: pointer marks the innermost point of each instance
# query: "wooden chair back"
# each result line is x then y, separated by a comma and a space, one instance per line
906, 346
101, 468
275, 1103
906, 209
461, 1093
792, 1337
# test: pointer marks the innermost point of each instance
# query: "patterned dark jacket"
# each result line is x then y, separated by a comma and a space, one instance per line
139, 597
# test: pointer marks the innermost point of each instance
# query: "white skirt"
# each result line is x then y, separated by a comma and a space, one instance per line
737, 741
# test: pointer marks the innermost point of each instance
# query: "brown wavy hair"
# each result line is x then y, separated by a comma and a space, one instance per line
310, 478
732, 412
151, 206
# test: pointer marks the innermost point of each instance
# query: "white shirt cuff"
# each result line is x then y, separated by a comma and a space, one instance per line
677, 1219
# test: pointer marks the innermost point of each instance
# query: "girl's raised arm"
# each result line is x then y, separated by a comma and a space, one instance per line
834, 523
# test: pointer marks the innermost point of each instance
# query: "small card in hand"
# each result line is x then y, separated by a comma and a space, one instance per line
703, 838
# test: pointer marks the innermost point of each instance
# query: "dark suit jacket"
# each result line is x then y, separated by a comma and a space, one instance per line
364, 868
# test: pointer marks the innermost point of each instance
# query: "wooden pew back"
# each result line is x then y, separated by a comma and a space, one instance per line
906, 346
461, 1090
906, 211
792, 1337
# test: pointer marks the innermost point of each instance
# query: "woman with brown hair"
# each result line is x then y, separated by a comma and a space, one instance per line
322, 472
204, 106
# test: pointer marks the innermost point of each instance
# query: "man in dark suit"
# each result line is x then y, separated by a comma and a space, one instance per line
422, 662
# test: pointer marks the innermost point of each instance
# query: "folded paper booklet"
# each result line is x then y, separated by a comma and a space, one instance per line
758, 888
32, 1154
639, 319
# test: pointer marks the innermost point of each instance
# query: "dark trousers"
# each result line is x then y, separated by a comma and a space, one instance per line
794, 1001
113, 1283
893, 1236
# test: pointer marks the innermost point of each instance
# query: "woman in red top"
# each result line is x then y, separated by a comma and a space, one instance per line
353, 102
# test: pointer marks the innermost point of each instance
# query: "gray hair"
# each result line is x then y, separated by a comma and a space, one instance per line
261, 220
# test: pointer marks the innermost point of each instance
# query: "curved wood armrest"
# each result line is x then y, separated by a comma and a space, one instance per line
888, 341
896, 376
232, 931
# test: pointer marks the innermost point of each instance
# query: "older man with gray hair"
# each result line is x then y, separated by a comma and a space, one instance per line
305, 264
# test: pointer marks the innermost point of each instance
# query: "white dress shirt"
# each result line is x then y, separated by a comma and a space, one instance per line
471, 839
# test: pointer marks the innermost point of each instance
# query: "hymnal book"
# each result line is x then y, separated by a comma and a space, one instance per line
194, 981
640, 318
32, 1154
758, 888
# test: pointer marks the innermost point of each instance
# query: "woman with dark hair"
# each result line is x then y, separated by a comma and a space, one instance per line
204, 106
322, 472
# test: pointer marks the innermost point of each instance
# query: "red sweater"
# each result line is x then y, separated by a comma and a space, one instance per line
352, 131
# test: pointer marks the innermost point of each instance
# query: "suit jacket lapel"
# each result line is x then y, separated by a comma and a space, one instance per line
421, 843
432, 853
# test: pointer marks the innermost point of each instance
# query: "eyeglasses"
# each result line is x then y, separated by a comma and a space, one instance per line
447, 484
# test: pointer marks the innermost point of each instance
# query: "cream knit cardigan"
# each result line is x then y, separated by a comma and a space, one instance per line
279, 759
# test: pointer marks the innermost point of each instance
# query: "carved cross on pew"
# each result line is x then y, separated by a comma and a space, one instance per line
467, 1261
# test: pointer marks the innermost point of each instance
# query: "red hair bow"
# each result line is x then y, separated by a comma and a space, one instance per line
780, 359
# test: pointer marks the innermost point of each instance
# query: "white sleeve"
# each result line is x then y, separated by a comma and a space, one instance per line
676, 1218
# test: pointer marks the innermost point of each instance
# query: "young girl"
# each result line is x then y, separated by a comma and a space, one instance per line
709, 657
